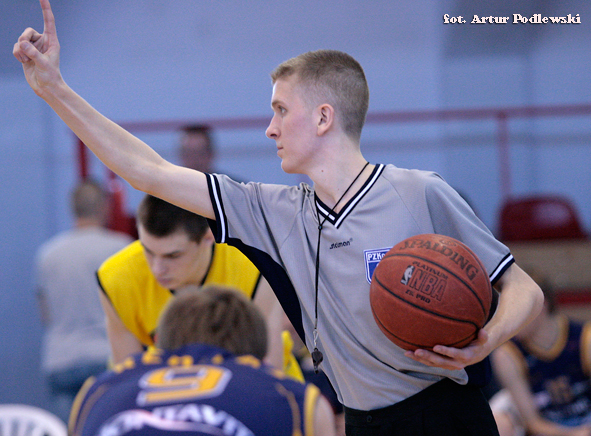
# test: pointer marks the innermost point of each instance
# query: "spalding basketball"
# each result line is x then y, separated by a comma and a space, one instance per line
428, 290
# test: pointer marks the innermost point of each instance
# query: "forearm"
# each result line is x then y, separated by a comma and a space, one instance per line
520, 301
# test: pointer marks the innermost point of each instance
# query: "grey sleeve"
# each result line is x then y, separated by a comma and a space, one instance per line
259, 215
452, 216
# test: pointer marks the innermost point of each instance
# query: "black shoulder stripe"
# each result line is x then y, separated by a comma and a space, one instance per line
215, 194
507, 261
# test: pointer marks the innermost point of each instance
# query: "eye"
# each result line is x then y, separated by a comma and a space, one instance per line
281, 110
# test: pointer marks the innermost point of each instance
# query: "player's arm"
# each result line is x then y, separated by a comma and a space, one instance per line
324, 423
123, 153
122, 341
267, 303
520, 301
509, 373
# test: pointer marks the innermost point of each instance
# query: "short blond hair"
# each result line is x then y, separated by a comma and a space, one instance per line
336, 78
213, 315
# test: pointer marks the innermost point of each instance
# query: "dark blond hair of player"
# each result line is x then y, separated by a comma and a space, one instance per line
213, 315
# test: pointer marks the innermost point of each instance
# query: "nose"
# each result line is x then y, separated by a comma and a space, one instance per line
272, 131
158, 266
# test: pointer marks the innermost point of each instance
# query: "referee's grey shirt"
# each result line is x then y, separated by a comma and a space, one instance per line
276, 226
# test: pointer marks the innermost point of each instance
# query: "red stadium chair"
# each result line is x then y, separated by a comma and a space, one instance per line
539, 218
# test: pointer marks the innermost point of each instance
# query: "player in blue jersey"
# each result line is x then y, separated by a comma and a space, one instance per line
545, 376
205, 378
317, 245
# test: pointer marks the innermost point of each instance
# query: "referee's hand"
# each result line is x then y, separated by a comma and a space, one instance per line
454, 358
39, 53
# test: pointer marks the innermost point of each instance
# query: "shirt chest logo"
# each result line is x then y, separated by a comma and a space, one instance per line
340, 244
372, 258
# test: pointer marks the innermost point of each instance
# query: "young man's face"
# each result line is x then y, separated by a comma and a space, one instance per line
293, 126
175, 260
195, 152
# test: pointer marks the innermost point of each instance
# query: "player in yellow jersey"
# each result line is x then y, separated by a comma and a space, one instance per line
176, 251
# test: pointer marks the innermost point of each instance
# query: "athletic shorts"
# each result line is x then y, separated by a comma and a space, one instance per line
443, 409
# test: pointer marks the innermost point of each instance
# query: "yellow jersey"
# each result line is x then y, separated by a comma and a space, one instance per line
138, 298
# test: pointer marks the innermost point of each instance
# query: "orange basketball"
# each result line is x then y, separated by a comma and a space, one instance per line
428, 290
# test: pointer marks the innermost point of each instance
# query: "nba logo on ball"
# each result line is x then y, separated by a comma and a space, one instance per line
429, 290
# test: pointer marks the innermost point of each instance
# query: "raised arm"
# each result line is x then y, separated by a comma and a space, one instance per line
122, 152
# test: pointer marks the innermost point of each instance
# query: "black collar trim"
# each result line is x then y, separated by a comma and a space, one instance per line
337, 219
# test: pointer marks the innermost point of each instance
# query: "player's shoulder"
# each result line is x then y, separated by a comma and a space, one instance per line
55, 244
128, 256
232, 255
127, 262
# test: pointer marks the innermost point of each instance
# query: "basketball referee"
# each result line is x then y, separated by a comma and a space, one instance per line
315, 244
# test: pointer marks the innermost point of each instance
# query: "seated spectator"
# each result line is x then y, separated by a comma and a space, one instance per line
544, 373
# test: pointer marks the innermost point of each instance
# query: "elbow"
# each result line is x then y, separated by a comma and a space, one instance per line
145, 179
537, 299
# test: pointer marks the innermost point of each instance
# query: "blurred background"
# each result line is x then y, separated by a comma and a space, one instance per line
500, 111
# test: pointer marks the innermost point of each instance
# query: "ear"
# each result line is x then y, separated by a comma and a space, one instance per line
326, 118
208, 239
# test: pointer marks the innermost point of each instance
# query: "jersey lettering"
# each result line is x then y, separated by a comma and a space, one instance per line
183, 383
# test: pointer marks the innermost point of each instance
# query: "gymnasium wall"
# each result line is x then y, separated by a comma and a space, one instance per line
154, 60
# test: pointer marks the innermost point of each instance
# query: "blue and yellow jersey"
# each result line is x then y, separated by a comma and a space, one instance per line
198, 389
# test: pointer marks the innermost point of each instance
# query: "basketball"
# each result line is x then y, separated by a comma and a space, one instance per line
428, 290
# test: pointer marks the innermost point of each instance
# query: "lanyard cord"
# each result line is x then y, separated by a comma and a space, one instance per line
317, 356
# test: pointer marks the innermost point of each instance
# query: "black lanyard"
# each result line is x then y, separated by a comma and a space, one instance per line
317, 356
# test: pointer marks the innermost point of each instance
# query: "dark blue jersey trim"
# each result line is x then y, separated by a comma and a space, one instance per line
271, 270
503, 266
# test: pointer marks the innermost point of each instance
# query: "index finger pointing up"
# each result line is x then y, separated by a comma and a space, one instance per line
48, 18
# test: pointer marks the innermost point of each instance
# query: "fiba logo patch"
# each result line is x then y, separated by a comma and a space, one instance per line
372, 258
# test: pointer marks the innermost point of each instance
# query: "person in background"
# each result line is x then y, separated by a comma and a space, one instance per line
205, 378
196, 148
175, 250
545, 375
75, 344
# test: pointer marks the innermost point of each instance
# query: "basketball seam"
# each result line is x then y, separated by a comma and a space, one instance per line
423, 346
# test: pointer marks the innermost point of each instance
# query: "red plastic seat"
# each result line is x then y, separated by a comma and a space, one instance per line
539, 218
